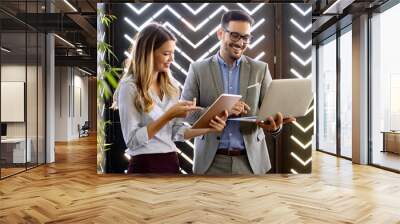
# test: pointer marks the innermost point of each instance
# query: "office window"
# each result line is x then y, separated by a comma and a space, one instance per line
385, 89
346, 93
327, 96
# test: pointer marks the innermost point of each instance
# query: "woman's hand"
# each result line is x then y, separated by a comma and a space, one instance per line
218, 123
182, 109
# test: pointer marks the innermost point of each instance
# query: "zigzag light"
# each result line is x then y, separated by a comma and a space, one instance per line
294, 72
310, 109
298, 9
180, 34
248, 11
301, 61
303, 29
304, 46
300, 143
195, 12
302, 128
138, 11
304, 163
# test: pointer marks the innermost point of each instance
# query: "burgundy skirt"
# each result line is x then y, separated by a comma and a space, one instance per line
165, 163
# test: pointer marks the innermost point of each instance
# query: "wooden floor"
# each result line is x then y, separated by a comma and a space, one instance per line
70, 191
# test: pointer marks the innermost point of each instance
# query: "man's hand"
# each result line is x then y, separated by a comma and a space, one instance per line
272, 125
240, 108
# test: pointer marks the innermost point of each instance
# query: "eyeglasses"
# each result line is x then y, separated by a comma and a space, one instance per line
235, 36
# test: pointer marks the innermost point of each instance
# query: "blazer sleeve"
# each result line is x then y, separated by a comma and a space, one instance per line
191, 89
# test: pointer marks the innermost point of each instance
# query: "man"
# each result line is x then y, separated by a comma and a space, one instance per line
241, 148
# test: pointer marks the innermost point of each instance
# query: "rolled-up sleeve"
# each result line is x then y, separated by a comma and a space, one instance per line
130, 118
178, 130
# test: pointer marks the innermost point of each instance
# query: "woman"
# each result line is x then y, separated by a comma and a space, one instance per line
147, 99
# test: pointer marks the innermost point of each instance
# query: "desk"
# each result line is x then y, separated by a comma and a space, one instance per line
15, 148
391, 141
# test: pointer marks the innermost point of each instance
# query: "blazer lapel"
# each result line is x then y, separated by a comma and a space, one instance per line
244, 77
216, 75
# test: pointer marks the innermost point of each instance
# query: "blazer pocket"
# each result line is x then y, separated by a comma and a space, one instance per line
260, 135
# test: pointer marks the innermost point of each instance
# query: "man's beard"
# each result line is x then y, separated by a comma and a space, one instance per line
229, 48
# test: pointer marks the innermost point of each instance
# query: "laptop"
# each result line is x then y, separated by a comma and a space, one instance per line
291, 97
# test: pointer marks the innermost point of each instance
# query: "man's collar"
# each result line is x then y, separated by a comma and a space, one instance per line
222, 61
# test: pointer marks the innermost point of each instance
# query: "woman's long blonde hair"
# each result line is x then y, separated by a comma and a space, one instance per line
141, 66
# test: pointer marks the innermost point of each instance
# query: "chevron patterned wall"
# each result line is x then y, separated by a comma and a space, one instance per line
297, 137
195, 25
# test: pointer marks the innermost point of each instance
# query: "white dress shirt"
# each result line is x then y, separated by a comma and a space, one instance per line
134, 123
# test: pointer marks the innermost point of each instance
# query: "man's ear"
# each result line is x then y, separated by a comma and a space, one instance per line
220, 33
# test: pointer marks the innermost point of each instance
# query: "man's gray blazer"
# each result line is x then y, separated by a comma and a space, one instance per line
204, 82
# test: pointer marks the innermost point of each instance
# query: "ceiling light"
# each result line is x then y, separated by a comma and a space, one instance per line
70, 5
5, 49
84, 71
64, 40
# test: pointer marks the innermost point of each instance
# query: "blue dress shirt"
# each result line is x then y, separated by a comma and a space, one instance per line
231, 136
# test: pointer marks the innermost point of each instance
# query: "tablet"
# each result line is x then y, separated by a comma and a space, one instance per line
222, 103
291, 97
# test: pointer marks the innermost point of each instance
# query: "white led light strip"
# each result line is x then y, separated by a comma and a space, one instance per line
298, 42
179, 68
185, 156
127, 54
195, 29
248, 11
259, 56
195, 12
70, 5
300, 143
303, 29
181, 35
304, 163
138, 11
294, 72
64, 40
301, 61
182, 171
129, 38
255, 43
304, 13
177, 15
310, 109
305, 62
84, 71
211, 50
302, 128
184, 54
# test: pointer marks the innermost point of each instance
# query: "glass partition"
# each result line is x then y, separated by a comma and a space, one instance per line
346, 93
327, 96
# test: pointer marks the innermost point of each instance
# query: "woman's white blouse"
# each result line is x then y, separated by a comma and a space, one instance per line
134, 123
